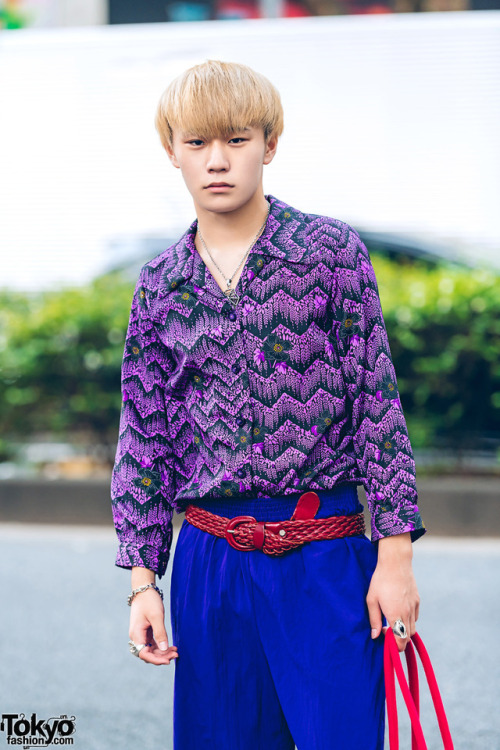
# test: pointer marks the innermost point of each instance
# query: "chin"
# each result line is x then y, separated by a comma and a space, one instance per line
219, 202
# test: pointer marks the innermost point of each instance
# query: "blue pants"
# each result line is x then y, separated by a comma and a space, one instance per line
276, 651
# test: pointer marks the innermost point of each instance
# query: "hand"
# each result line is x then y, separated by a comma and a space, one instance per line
393, 592
147, 625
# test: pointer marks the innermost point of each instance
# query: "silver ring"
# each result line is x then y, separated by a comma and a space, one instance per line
399, 629
134, 649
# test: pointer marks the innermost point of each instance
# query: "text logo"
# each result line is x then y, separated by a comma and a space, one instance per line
35, 732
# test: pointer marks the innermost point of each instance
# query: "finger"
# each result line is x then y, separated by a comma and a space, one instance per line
375, 616
401, 642
153, 648
140, 633
155, 656
413, 628
151, 652
159, 632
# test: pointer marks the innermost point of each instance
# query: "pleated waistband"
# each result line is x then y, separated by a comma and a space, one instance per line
342, 500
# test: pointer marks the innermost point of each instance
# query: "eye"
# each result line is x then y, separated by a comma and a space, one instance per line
196, 140
239, 139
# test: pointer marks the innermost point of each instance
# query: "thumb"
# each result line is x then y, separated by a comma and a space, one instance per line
160, 634
375, 616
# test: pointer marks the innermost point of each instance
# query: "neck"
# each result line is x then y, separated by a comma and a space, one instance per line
228, 231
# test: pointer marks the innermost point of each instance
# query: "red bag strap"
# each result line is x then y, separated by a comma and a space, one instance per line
410, 691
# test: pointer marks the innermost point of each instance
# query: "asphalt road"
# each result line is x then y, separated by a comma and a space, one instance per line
64, 623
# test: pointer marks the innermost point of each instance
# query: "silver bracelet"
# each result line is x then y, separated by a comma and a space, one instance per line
134, 592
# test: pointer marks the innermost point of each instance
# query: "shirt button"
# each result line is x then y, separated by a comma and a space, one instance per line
241, 473
235, 369
232, 315
240, 421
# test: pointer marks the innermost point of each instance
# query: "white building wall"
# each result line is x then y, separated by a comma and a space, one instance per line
391, 124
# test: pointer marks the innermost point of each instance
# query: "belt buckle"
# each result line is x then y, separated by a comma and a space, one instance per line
230, 530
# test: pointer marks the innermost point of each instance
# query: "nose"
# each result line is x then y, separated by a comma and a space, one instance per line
217, 158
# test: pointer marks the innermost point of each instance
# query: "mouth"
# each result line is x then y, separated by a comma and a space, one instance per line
219, 184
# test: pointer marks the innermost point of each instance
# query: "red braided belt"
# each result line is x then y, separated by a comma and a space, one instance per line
277, 537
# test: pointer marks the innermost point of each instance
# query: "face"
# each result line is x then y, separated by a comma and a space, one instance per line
237, 161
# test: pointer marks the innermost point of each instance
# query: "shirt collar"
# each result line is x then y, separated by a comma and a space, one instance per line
284, 236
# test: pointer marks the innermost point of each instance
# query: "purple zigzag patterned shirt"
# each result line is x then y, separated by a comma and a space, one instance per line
292, 390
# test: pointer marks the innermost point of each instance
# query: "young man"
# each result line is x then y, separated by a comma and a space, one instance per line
258, 392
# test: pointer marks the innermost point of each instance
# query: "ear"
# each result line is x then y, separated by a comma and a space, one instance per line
171, 155
270, 151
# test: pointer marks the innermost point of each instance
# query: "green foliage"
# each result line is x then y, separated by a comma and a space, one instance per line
61, 358
444, 331
11, 18
62, 351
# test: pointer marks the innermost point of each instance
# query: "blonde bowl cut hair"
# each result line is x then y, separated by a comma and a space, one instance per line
216, 99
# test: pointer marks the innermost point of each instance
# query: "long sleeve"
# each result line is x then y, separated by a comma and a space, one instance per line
141, 483
380, 437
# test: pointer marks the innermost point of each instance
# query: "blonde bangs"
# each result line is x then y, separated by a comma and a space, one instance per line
217, 99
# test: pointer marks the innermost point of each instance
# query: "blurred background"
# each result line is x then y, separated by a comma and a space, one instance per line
392, 115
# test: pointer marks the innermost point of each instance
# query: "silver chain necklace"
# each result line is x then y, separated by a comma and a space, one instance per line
231, 293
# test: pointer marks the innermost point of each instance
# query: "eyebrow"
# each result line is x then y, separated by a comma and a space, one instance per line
194, 135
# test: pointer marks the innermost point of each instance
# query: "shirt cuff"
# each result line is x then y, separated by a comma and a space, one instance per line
145, 556
390, 524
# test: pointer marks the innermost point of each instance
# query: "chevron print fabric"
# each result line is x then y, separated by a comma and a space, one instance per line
294, 389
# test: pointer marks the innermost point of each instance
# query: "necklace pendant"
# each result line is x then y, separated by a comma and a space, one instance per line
232, 297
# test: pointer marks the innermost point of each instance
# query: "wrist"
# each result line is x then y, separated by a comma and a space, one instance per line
141, 576
396, 547
142, 590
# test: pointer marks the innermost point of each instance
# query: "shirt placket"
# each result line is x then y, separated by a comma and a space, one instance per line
244, 405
